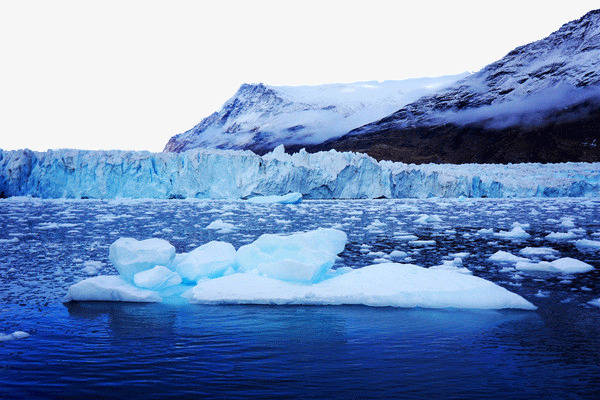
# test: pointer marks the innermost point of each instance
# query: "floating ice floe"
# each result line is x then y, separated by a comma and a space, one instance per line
502, 256
290, 198
284, 269
558, 236
566, 265
588, 245
454, 265
515, 233
13, 336
427, 219
220, 226
595, 302
538, 251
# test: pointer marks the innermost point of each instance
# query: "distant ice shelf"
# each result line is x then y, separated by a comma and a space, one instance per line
234, 174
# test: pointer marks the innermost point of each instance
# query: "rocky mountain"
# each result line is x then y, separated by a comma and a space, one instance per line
260, 117
541, 102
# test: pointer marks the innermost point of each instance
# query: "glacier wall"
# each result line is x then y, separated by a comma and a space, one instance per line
231, 174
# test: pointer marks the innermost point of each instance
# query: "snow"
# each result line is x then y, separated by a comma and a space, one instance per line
395, 285
13, 336
301, 257
109, 288
157, 278
290, 198
232, 174
502, 256
564, 265
588, 245
207, 261
130, 256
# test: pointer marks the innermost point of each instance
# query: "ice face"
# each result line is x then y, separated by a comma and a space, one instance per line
241, 174
131, 256
210, 260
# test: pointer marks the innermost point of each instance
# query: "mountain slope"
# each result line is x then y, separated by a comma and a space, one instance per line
540, 101
260, 117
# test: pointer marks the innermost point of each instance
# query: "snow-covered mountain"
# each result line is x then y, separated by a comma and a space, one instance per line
560, 70
541, 102
260, 117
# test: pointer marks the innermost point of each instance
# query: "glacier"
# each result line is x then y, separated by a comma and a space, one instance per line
241, 174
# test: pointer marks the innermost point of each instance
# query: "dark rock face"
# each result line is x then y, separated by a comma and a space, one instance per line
569, 139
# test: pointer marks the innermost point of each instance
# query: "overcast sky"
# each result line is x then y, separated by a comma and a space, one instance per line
130, 74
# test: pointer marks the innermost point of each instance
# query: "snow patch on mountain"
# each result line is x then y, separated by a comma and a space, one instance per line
260, 117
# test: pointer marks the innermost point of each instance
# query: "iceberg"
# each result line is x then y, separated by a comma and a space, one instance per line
285, 269
236, 174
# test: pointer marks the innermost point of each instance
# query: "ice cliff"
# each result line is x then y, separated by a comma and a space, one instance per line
233, 174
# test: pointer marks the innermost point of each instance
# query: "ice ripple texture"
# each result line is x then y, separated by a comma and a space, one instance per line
229, 174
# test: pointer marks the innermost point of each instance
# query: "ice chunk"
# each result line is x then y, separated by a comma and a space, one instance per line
565, 265
427, 219
210, 260
568, 265
220, 226
515, 233
588, 245
422, 243
157, 278
558, 236
504, 256
396, 285
290, 198
595, 302
452, 266
109, 288
302, 257
13, 336
398, 254
538, 251
131, 256
92, 267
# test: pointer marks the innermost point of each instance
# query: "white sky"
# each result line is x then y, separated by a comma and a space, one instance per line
130, 74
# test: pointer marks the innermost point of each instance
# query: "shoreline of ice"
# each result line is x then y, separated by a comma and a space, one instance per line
234, 174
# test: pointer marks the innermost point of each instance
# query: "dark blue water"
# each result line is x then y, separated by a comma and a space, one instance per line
131, 351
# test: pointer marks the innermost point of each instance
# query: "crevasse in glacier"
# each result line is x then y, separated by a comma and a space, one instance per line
233, 174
